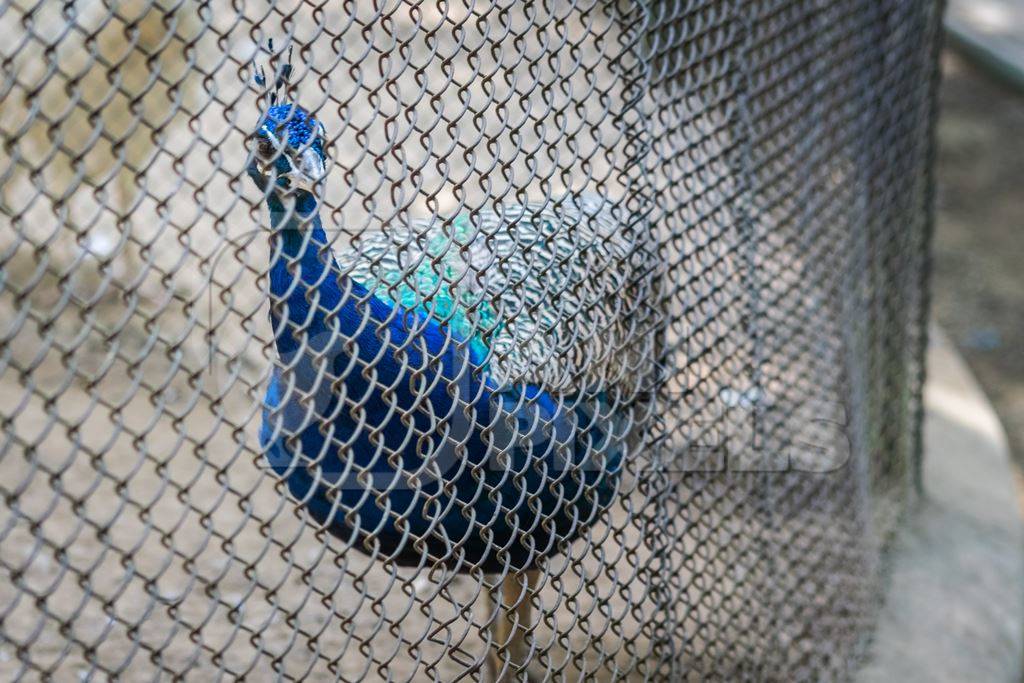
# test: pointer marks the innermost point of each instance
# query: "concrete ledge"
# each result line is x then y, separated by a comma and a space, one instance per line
955, 607
989, 32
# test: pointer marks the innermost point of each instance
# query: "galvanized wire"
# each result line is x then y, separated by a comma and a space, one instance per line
702, 225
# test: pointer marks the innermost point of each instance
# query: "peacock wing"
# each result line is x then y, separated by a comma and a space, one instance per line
539, 291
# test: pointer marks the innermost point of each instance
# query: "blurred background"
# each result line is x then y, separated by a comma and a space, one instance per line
978, 267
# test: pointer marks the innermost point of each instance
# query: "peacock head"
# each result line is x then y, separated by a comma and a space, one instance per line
288, 147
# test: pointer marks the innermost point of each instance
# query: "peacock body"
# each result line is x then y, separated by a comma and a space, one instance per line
445, 390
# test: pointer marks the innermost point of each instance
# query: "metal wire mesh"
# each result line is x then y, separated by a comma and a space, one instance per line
605, 365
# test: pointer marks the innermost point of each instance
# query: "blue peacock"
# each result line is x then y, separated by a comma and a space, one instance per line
445, 390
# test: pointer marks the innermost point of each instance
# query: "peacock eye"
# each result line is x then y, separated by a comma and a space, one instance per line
265, 148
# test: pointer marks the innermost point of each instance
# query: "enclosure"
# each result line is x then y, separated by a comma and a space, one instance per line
742, 193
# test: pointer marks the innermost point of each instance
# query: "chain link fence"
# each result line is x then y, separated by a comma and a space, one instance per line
458, 340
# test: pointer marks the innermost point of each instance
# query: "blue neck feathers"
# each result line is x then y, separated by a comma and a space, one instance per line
305, 282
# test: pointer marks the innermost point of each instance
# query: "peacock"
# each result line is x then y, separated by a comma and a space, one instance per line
446, 391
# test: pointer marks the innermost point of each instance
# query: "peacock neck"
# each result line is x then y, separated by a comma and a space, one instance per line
293, 228
305, 281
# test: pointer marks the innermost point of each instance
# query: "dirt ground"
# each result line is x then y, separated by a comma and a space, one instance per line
978, 277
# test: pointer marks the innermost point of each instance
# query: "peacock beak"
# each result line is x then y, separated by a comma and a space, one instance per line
307, 170
304, 171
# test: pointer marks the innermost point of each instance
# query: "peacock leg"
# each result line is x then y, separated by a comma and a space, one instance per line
513, 614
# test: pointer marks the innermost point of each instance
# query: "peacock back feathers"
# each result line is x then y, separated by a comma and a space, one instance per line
535, 290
